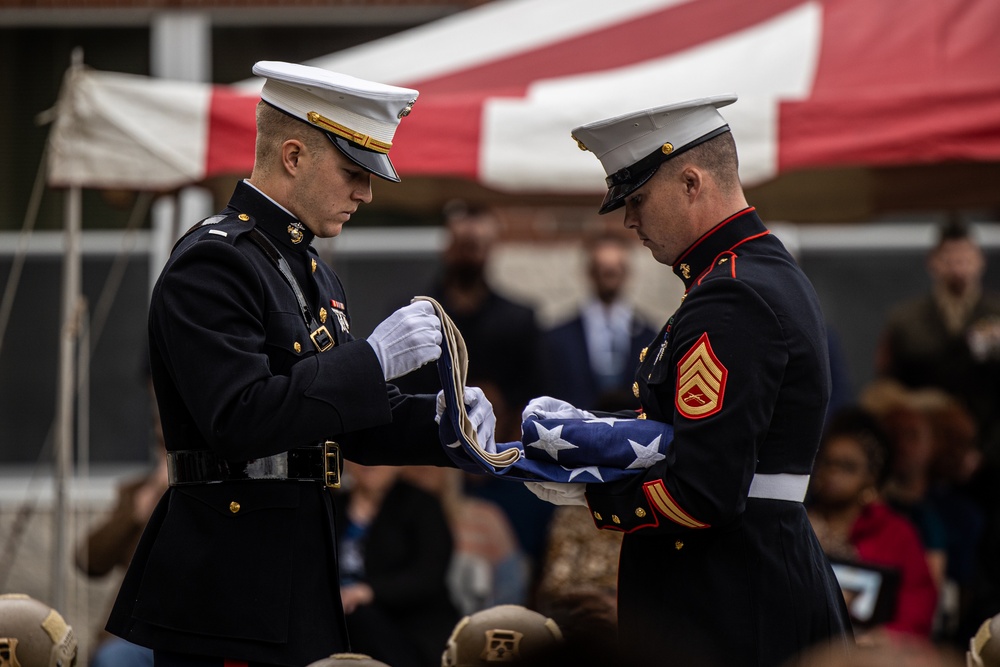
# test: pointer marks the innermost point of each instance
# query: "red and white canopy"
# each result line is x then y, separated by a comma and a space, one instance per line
821, 83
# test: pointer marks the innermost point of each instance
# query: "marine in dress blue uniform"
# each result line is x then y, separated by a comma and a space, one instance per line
261, 386
719, 564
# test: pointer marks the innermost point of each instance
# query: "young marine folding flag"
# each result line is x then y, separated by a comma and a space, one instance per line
601, 449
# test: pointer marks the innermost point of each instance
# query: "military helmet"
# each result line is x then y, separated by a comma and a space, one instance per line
33, 634
348, 660
501, 634
984, 647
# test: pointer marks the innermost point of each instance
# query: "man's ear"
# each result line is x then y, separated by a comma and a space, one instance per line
291, 153
693, 181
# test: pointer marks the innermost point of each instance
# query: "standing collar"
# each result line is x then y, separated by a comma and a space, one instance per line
273, 218
731, 232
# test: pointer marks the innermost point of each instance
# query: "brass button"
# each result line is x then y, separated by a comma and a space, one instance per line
614, 517
297, 346
678, 545
243, 216
322, 315
234, 507
639, 512
314, 266
597, 515
635, 389
642, 355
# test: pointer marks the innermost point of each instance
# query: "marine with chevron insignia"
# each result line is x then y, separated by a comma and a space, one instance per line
262, 388
719, 565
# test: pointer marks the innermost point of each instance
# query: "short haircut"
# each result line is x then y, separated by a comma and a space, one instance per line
275, 127
954, 229
717, 156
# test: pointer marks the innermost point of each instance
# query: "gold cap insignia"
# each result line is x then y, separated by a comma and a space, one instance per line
580, 144
667, 148
407, 109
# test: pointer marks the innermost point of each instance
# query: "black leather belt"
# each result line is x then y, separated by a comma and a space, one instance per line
321, 463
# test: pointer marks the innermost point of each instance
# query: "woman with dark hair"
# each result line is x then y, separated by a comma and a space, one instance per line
856, 527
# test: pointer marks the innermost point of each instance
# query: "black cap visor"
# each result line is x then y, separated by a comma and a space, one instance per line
616, 193
369, 160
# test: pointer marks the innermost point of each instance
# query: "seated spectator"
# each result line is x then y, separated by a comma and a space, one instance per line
956, 459
578, 557
488, 567
395, 547
936, 454
855, 526
109, 546
906, 490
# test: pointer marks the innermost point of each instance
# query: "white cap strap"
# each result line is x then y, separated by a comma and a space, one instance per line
780, 486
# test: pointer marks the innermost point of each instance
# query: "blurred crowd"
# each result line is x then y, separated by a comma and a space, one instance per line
440, 567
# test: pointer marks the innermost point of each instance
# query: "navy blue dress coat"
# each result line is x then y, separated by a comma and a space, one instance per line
247, 570
708, 575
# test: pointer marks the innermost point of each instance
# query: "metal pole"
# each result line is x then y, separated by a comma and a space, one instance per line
66, 391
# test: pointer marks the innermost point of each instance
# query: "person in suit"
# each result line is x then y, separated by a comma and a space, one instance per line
591, 359
396, 547
262, 388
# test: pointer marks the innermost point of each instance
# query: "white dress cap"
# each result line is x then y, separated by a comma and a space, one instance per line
632, 146
359, 116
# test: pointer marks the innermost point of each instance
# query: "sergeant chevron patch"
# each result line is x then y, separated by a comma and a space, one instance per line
701, 381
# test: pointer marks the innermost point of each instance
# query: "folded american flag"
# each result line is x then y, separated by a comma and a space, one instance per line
566, 450
602, 449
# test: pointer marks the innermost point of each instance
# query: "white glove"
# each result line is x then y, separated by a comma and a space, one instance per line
407, 339
480, 412
559, 493
546, 407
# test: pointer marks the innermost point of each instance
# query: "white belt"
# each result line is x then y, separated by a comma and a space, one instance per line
782, 486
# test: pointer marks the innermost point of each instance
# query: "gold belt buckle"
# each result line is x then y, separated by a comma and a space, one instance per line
322, 339
331, 464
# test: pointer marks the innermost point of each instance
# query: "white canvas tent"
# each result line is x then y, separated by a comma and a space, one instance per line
822, 84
